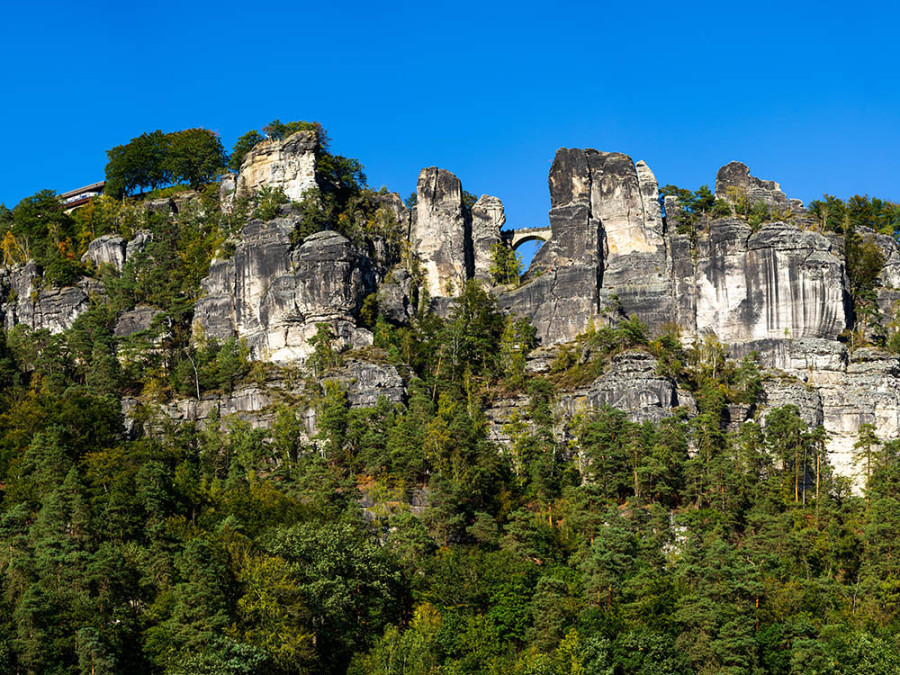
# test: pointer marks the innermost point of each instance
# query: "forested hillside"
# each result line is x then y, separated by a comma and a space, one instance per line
478, 506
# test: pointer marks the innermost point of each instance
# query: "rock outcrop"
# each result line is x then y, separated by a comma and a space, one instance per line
734, 182
610, 248
135, 321
778, 283
607, 245
106, 250
29, 302
273, 294
289, 164
440, 233
488, 219
631, 384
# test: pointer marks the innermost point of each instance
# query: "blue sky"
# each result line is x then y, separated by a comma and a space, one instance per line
805, 94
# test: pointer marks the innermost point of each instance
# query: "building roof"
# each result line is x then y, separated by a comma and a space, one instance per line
93, 187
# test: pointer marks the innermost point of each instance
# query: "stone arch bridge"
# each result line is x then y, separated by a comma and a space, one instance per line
516, 238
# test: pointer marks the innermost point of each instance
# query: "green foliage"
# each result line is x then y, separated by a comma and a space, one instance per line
244, 145
834, 215
138, 164
695, 207
195, 156
506, 266
154, 159
268, 202
38, 229
324, 355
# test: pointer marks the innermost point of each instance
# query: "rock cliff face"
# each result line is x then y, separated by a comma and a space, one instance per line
441, 233
778, 283
610, 247
733, 181
289, 164
607, 245
29, 302
779, 290
488, 219
273, 294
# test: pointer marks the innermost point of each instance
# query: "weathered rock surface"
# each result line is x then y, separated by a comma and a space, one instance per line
106, 250
366, 382
29, 303
441, 234
273, 295
607, 244
631, 384
135, 321
776, 284
488, 218
398, 297
137, 244
736, 176
289, 164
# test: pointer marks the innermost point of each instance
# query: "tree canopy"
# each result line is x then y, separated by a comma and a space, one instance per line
155, 159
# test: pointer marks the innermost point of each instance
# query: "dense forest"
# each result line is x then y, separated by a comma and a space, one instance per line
400, 538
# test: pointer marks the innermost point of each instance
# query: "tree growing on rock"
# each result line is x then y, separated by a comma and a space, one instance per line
155, 159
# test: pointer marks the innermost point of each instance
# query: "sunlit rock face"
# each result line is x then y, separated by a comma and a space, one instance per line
607, 247
289, 164
776, 284
106, 250
488, 219
273, 295
440, 233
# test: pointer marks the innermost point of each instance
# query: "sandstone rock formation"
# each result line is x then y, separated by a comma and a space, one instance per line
135, 321
106, 250
273, 294
29, 302
779, 290
607, 245
776, 284
631, 384
289, 164
488, 219
736, 176
440, 233
610, 247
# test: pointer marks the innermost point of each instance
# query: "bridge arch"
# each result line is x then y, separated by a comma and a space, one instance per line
515, 238
518, 241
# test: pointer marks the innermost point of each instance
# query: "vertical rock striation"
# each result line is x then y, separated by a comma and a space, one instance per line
273, 295
488, 218
441, 234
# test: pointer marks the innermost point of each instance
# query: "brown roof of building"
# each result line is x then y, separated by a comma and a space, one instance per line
93, 187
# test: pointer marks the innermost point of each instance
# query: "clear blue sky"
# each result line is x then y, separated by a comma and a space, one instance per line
805, 93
